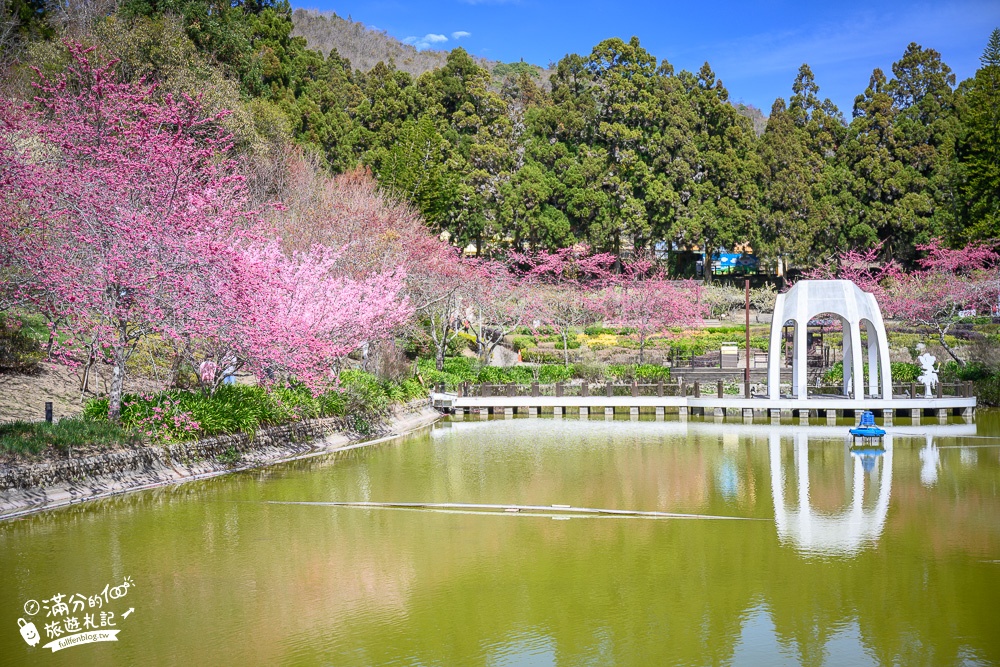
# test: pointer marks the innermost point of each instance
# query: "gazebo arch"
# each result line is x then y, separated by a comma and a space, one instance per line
855, 309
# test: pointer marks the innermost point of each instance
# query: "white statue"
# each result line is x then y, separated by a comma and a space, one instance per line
930, 375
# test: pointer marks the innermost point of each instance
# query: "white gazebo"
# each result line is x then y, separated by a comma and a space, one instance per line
854, 308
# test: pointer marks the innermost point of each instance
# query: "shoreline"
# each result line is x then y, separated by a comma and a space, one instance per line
154, 466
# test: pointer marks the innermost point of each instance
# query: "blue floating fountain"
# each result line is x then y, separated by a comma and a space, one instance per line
868, 431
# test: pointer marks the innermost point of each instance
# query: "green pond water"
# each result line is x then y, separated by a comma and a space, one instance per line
832, 559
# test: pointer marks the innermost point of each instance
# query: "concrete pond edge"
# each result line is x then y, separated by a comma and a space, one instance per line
27, 489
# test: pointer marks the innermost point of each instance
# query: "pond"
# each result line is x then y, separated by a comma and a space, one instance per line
793, 550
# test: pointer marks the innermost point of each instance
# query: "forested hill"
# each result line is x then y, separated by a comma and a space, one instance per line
365, 47
617, 149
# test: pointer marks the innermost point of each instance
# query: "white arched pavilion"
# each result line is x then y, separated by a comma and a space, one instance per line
855, 309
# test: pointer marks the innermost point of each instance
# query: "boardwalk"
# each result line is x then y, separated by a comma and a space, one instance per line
662, 400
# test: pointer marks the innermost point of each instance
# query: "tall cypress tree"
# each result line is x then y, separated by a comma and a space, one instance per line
979, 149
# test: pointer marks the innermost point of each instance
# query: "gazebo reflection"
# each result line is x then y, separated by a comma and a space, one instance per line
841, 533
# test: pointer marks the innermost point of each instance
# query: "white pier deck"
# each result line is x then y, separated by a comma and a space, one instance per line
536, 402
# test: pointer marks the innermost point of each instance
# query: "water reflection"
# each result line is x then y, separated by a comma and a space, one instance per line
230, 576
930, 463
855, 523
840, 533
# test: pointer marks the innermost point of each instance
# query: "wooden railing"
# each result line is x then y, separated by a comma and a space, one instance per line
680, 388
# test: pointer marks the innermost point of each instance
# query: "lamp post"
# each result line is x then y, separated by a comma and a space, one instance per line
746, 372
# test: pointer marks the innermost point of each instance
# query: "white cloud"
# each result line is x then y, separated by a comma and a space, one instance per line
459, 34
426, 41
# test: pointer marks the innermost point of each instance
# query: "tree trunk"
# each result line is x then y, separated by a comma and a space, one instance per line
439, 357
175, 366
565, 338
706, 264
85, 380
117, 386
947, 348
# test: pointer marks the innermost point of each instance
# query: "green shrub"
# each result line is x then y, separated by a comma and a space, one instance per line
572, 343
411, 390
985, 378
366, 393
514, 374
902, 371
230, 457
987, 389
519, 343
552, 373
19, 351
644, 372
456, 371
597, 330
627, 331
332, 404
713, 338
544, 330
835, 375
975, 371
590, 371
461, 342
620, 371
186, 415
492, 375
652, 372
537, 356
22, 437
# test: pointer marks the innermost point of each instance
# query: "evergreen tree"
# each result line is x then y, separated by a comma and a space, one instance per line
789, 172
979, 149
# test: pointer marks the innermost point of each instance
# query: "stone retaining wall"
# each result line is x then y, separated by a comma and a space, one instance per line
203, 455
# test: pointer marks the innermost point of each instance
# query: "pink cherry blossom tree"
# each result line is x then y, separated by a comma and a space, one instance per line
296, 315
378, 234
319, 313
644, 298
499, 302
946, 282
123, 216
563, 285
119, 199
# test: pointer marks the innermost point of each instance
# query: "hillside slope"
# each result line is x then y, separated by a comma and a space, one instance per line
363, 46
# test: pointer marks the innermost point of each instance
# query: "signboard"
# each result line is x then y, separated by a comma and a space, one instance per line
728, 262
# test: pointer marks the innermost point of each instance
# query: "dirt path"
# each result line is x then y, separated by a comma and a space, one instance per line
24, 396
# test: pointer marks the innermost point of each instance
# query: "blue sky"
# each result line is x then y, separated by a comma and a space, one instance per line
755, 50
